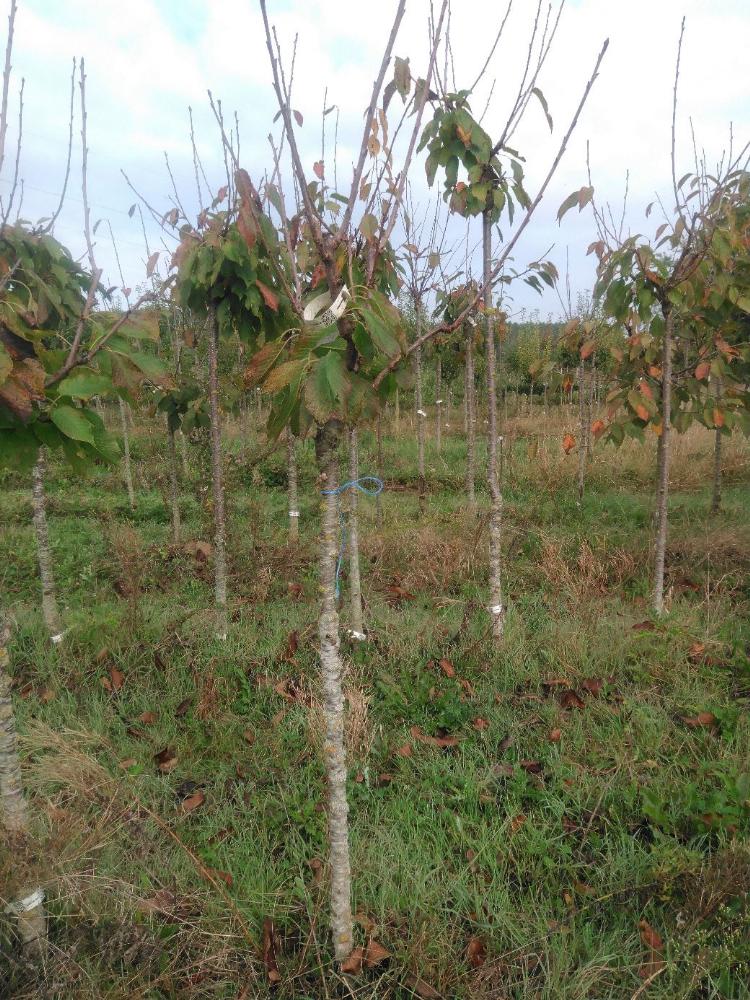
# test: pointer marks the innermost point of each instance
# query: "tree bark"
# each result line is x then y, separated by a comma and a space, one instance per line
126, 451
582, 450
716, 496
378, 498
292, 489
220, 562
356, 629
470, 403
184, 456
333, 701
421, 416
50, 610
29, 909
174, 493
438, 406
496, 608
662, 502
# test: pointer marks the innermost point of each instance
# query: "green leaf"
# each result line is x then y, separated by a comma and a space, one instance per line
149, 364
332, 368
382, 337
543, 101
84, 383
281, 376
6, 364
368, 226
72, 423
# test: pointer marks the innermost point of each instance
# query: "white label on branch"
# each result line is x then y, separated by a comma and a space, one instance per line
421, 413
354, 634
322, 311
59, 637
438, 401
30, 902
496, 609
294, 513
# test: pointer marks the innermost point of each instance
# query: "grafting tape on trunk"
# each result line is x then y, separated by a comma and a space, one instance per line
351, 484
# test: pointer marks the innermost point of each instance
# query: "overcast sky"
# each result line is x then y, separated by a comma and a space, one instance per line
147, 60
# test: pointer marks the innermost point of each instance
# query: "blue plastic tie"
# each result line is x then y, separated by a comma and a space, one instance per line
351, 484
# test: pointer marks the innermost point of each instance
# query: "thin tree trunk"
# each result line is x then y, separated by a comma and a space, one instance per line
29, 909
397, 411
44, 555
333, 703
292, 490
438, 406
184, 456
662, 503
581, 432
356, 630
496, 608
589, 405
378, 499
420, 415
716, 496
470, 425
220, 563
126, 450
174, 492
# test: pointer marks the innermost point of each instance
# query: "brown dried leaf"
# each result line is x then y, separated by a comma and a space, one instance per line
420, 987
593, 685
249, 737
447, 667
192, 802
183, 708
435, 741
269, 952
166, 760
699, 721
570, 699
476, 953
517, 822
654, 944
554, 736
147, 718
480, 724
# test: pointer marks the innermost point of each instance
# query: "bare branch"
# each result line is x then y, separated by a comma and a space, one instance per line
6, 80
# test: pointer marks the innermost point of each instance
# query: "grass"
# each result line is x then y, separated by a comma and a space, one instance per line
515, 864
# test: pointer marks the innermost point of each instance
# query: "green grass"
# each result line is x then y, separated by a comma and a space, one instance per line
632, 815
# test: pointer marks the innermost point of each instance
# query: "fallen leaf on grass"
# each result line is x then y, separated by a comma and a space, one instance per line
383, 780
655, 951
369, 957
292, 645
593, 685
269, 952
102, 655
517, 822
127, 763
554, 736
570, 699
166, 760
224, 877
435, 741
295, 590
397, 594
480, 724
531, 766
249, 737
699, 721
46, 695
114, 682
447, 667
420, 987
183, 708
554, 682
192, 802
147, 718
366, 923
696, 651
643, 627
476, 953
407, 750
162, 901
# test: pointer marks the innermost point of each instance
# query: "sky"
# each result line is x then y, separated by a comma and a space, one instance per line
147, 61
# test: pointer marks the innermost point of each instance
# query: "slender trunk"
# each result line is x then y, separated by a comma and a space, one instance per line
397, 411
466, 400
378, 499
29, 909
39, 508
581, 432
470, 424
589, 405
663, 468
496, 500
291, 488
184, 456
421, 416
220, 563
716, 498
333, 704
126, 451
355, 585
438, 406
174, 493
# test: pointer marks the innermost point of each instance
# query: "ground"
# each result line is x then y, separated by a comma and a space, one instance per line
584, 835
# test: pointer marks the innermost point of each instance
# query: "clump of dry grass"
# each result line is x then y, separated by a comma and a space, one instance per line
359, 732
585, 575
422, 556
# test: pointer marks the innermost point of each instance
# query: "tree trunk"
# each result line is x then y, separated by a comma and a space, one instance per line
174, 492
333, 701
496, 500
356, 629
397, 411
716, 497
378, 498
126, 450
420, 415
184, 456
39, 508
581, 431
438, 406
590, 382
470, 424
220, 563
29, 909
292, 494
662, 502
